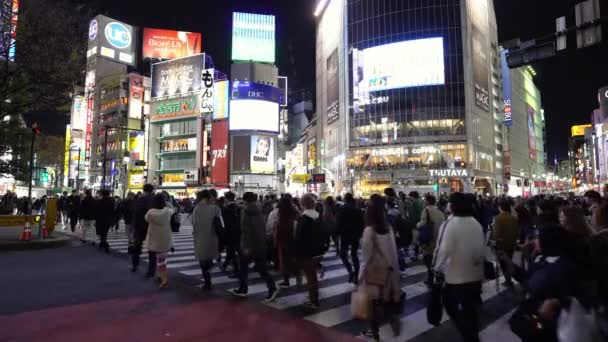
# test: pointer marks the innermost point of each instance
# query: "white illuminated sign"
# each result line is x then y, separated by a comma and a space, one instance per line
255, 115
410, 63
449, 173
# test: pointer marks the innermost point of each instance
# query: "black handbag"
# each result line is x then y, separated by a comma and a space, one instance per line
175, 225
434, 305
489, 270
525, 324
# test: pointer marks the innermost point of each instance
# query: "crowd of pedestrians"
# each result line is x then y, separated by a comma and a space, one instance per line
561, 244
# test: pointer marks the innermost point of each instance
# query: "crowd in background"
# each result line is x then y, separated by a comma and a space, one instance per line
561, 244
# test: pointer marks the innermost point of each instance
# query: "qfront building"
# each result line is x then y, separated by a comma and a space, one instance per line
407, 93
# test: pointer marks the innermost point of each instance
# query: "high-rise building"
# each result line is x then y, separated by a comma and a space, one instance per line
524, 126
408, 96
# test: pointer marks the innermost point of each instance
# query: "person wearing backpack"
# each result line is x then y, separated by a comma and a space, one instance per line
379, 278
431, 220
309, 242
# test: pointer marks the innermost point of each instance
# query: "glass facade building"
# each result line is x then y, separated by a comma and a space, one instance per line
415, 93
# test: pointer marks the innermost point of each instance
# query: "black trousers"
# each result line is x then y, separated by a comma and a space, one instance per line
232, 257
505, 265
205, 267
137, 247
73, 221
353, 247
462, 303
261, 267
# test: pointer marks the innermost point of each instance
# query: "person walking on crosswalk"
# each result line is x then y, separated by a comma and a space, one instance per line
205, 218
253, 248
350, 229
141, 207
103, 219
283, 234
87, 214
159, 237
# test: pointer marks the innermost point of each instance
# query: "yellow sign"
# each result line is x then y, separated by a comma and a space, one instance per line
66, 159
579, 130
15, 220
300, 178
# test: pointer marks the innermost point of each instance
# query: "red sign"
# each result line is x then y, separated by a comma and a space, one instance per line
167, 44
219, 152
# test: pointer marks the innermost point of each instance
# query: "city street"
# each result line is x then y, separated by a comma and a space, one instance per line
88, 290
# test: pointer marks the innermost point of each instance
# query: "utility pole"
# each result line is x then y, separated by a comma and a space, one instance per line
35, 132
105, 153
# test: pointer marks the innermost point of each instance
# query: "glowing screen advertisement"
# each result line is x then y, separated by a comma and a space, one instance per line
168, 44
262, 154
253, 37
177, 77
411, 63
254, 115
111, 39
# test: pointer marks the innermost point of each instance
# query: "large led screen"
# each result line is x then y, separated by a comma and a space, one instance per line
404, 64
253, 37
168, 44
254, 115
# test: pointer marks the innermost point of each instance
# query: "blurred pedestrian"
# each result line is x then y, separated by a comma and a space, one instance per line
350, 230
284, 239
87, 213
505, 233
159, 237
205, 220
140, 230
103, 219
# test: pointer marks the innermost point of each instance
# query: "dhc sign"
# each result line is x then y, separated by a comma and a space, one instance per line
257, 91
449, 173
118, 35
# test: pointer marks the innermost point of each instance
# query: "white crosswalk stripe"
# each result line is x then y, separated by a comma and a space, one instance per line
334, 293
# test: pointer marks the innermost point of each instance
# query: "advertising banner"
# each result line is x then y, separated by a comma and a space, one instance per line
219, 152
506, 88
178, 145
253, 37
177, 77
111, 39
66, 157
175, 109
240, 153
255, 115
78, 118
169, 44
333, 88
221, 97
207, 81
301, 178
191, 176
531, 132
136, 146
255, 91
480, 68
578, 130
262, 154
136, 96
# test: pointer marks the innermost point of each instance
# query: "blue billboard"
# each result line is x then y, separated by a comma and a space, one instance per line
506, 89
255, 91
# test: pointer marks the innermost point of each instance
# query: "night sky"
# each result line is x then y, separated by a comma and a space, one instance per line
568, 82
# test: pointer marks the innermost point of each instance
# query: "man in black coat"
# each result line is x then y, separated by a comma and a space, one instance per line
74, 209
103, 218
231, 213
350, 230
140, 230
87, 214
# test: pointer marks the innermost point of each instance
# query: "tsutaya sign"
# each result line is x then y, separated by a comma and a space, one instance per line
449, 173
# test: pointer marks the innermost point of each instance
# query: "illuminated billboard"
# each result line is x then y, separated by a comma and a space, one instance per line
78, 117
136, 96
578, 130
9, 34
168, 44
253, 37
531, 132
255, 91
221, 100
111, 39
187, 107
177, 77
411, 63
262, 154
254, 115
219, 152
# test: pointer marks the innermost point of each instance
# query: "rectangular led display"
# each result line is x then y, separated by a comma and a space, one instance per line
253, 37
254, 115
411, 63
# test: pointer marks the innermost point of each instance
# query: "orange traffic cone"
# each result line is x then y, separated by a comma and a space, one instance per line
45, 232
26, 234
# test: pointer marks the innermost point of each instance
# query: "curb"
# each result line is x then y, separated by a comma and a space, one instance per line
54, 242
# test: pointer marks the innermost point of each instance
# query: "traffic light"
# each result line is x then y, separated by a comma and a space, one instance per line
36, 129
436, 187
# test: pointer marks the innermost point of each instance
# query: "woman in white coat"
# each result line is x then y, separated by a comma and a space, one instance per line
159, 237
379, 242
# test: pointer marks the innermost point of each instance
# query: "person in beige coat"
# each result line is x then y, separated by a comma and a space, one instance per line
204, 234
159, 238
433, 214
379, 242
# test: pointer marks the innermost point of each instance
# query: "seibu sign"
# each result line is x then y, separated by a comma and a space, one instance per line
449, 173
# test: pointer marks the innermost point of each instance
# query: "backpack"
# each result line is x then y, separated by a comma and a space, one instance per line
425, 233
320, 238
175, 224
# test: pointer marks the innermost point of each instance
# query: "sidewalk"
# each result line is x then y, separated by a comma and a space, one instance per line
77, 293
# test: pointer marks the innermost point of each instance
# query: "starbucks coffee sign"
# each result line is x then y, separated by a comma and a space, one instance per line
449, 173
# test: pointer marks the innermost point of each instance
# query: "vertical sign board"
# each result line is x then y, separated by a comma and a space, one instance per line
221, 96
207, 78
480, 68
332, 88
531, 132
219, 152
506, 88
136, 96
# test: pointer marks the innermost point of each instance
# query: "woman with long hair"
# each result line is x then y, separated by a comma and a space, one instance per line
283, 235
159, 237
379, 249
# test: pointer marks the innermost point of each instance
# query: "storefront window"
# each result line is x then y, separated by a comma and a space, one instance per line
178, 128
404, 157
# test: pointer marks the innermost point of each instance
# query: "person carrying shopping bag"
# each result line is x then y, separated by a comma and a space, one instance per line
379, 276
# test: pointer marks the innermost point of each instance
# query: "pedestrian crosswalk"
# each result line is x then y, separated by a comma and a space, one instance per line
334, 294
